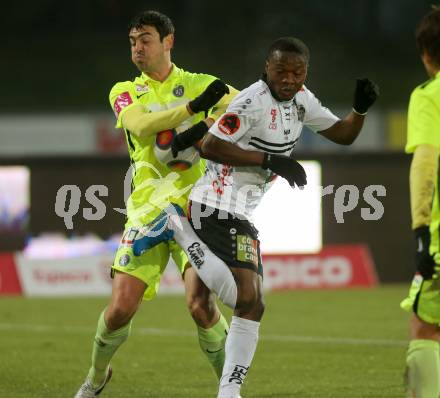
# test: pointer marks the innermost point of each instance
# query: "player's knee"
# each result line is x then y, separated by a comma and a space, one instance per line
261, 307
250, 303
202, 310
118, 315
423, 330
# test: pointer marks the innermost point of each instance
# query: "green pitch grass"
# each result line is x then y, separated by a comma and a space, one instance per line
343, 344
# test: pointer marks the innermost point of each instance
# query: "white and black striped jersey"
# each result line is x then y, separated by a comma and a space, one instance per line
255, 120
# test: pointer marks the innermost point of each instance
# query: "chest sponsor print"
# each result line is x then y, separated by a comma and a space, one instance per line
301, 111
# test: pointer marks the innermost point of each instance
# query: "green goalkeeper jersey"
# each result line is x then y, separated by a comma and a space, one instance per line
424, 128
153, 184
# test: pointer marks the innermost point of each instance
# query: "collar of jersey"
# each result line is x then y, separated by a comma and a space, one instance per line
144, 78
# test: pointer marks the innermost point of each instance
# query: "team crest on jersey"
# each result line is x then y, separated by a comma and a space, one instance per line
229, 123
124, 260
142, 88
301, 111
178, 91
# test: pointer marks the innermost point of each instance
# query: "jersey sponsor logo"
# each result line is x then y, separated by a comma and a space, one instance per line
301, 111
220, 183
122, 100
129, 236
229, 123
273, 125
238, 374
178, 91
196, 254
247, 250
142, 88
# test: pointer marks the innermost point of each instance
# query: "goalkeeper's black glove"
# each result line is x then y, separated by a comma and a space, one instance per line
365, 94
188, 137
212, 94
425, 263
285, 167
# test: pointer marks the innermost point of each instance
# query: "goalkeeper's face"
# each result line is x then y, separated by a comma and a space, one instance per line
286, 73
148, 52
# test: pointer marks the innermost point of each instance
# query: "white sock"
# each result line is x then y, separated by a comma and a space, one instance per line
212, 270
240, 348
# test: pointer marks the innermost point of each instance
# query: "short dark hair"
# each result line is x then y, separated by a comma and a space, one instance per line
428, 34
289, 44
161, 22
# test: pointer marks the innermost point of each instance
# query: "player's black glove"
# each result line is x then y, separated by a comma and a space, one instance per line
365, 94
285, 167
188, 137
425, 263
212, 94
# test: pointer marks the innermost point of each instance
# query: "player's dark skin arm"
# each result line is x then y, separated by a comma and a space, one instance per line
345, 131
220, 151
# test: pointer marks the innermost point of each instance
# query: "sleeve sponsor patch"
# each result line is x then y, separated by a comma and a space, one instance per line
229, 123
122, 100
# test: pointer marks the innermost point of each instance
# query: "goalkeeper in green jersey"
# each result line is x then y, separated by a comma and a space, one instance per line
423, 362
163, 97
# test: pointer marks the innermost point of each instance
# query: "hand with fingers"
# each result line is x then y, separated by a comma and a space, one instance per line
212, 94
365, 95
188, 137
425, 263
287, 168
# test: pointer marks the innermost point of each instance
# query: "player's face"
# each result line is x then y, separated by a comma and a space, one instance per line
286, 73
148, 52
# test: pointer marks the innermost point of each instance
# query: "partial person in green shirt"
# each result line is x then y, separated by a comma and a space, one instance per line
422, 359
163, 97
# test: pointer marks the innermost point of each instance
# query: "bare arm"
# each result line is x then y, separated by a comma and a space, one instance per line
345, 131
220, 151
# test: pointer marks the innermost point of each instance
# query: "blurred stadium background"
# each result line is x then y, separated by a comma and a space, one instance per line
59, 61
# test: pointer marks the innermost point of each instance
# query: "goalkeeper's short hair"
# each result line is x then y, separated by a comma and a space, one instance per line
161, 22
428, 35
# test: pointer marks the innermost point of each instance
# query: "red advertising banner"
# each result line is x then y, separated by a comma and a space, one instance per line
9, 282
335, 266
338, 266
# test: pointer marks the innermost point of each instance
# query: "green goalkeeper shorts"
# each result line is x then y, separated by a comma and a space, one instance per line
150, 266
424, 299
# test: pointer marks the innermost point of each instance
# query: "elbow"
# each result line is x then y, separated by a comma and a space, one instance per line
207, 150
141, 129
347, 141
133, 128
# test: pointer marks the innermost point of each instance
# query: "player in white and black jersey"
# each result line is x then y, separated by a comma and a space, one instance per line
247, 148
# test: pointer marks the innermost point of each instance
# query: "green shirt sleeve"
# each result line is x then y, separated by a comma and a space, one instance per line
122, 97
423, 121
